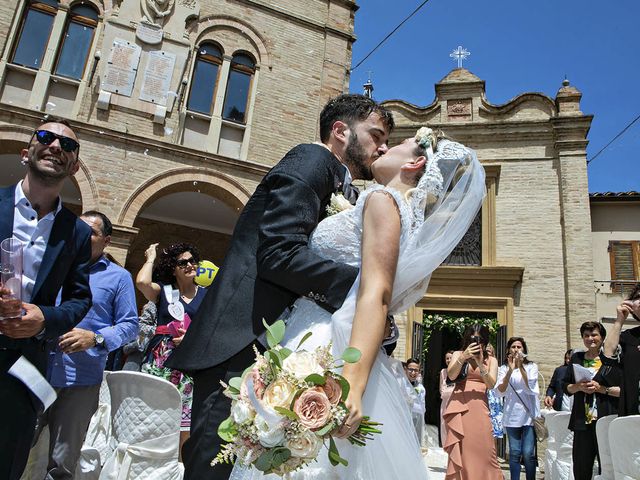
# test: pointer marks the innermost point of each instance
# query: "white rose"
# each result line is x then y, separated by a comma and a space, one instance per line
339, 202
268, 436
305, 445
302, 364
242, 412
279, 394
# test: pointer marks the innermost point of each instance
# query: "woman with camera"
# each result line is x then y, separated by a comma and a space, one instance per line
469, 443
518, 384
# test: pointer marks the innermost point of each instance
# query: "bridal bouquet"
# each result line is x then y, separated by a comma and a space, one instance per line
286, 406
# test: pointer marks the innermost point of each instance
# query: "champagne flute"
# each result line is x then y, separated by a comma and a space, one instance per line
11, 252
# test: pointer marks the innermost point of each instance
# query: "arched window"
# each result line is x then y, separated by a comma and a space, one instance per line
238, 86
205, 79
76, 42
34, 33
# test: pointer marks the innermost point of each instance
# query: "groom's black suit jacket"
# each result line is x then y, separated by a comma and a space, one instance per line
269, 265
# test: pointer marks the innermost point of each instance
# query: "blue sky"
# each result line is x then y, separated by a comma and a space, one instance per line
518, 46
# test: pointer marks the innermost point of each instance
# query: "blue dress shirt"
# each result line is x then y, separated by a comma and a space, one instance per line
114, 315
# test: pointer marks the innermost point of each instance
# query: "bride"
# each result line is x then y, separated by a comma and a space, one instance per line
428, 192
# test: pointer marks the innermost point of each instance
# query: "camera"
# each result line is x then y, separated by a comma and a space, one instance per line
476, 339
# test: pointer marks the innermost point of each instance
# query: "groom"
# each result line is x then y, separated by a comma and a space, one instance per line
269, 265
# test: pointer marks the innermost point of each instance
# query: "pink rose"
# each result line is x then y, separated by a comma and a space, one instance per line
313, 408
332, 390
258, 384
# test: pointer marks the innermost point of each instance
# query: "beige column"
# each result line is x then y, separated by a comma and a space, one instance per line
489, 216
121, 239
571, 127
244, 151
213, 138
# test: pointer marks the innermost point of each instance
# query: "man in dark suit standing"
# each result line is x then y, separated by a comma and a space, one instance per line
56, 255
269, 265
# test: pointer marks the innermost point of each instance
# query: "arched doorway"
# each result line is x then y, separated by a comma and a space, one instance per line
197, 207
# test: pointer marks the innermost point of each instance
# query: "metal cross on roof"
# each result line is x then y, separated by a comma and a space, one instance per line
460, 54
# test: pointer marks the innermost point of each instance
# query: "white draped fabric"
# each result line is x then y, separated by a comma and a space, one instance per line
145, 419
624, 440
604, 450
159, 451
558, 463
96, 448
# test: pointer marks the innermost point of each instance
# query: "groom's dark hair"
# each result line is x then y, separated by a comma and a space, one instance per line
350, 108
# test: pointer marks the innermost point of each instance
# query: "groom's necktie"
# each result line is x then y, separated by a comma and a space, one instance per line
351, 193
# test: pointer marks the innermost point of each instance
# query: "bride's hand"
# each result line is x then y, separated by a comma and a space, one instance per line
352, 422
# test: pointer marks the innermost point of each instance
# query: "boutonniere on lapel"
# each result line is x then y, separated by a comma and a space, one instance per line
337, 204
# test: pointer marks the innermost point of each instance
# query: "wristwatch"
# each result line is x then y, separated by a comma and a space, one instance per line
606, 390
98, 339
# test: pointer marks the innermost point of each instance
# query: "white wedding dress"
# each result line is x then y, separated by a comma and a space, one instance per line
394, 454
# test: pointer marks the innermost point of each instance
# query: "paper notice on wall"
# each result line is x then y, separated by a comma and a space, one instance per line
122, 66
157, 77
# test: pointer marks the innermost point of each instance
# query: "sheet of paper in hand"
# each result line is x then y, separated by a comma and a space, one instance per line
24, 371
582, 374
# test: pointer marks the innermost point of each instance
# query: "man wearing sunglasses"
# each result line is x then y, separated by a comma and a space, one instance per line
56, 257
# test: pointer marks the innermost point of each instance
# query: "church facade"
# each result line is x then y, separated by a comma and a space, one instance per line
527, 260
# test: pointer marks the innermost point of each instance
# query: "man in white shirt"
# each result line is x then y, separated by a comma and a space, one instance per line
56, 255
418, 396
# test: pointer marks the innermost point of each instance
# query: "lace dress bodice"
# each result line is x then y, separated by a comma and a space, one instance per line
339, 237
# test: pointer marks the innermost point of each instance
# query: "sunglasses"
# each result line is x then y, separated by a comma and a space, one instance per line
45, 137
186, 261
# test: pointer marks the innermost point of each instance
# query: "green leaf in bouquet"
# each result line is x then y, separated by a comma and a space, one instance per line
304, 339
264, 461
279, 456
326, 429
286, 412
234, 384
316, 379
334, 456
344, 384
284, 353
274, 356
227, 430
351, 355
299, 392
275, 332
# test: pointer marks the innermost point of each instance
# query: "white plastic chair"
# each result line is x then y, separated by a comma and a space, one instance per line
96, 447
558, 463
624, 435
145, 428
604, 450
